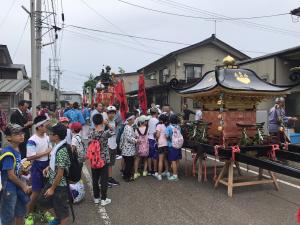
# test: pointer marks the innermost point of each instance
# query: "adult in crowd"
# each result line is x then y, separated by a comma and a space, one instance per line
278, 119
20, 117
74, 114
167, 110
86, 113
99, 109
128, 146
60, 112
68, 107
187, 112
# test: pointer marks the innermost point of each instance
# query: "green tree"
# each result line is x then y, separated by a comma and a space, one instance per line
90, 83
121, 70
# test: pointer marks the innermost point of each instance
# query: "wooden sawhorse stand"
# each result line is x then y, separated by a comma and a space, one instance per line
231, 183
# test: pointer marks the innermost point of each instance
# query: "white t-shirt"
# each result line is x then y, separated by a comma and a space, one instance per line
112, 141
69, 136
37, 144
152, 127
77, 142
198, 115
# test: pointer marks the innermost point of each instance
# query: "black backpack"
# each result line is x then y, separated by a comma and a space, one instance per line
74, 173
120, 132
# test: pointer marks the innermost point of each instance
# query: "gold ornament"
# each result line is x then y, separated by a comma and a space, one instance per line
228, 61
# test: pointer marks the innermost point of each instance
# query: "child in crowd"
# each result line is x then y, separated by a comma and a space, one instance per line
13, 206
77, 143
38, 150
162, 146
128, 145
65, 122
142, 146
174, 154
56, 194
153, 154
100, 134
112, 144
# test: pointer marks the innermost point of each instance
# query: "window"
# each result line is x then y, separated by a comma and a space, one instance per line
161, 98
193, 71
163, 73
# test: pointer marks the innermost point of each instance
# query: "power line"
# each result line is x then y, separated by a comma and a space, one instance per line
21, 38
128, 35
120, 44
200, 17
111, 23
93, 38
7, 13
245, 23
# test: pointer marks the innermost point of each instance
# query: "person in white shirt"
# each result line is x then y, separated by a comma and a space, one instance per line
112, 143
98, 110
153, 149
38, 149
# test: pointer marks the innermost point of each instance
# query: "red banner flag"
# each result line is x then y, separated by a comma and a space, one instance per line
120, 95
142, 94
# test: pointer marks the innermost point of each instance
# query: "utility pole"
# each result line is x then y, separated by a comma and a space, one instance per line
59, 73
50, 89
33, 57
38, 49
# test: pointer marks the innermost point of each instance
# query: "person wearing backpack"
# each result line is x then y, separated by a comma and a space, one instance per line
128, 145
77, 143
99, 158
14, 196
175, 142
142, 146
56, 193
162, 146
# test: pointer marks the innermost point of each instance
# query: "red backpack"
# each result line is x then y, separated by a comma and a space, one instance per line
94, 155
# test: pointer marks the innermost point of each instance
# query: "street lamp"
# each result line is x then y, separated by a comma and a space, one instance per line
296, 12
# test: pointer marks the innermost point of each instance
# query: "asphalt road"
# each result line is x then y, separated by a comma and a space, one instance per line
147, 201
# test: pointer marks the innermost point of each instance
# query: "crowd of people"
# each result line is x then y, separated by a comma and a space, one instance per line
37, 167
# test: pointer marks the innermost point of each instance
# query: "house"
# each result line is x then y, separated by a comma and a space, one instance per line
276, 68
48, 95
70, 96
14, 83
187, 65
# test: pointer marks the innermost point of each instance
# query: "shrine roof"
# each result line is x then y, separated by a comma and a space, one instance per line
233, 79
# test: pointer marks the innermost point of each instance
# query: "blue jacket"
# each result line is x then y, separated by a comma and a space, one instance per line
74, 115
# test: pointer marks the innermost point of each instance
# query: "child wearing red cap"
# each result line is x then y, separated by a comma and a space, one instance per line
77, 143
65, 122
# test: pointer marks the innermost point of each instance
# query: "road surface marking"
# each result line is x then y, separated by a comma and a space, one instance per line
101, 209
254, 172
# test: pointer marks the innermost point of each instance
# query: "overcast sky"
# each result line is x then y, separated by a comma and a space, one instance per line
84, 52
